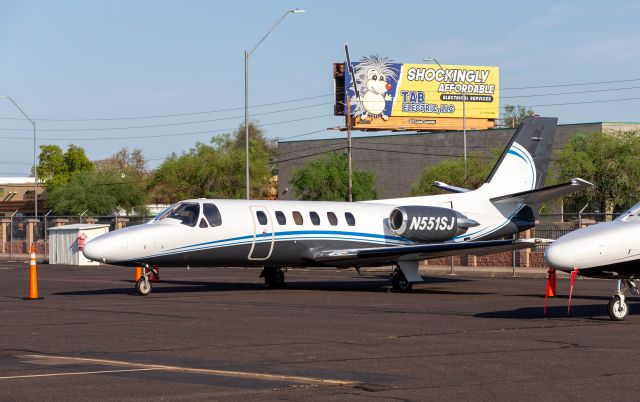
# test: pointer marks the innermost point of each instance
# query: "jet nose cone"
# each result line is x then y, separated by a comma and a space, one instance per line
560, 255
92, 250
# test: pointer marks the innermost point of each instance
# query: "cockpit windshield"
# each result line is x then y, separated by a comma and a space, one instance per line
185, 212
630, 214
164, 212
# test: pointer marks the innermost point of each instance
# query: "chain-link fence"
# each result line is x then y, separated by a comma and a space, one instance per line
19, 231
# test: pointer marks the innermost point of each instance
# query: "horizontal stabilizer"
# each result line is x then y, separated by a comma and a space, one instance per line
449, 188
424, 251
534, 197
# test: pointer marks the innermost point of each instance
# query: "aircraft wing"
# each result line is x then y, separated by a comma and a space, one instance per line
423, 251
546, 193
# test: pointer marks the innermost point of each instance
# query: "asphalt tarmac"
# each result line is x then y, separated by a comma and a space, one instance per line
219, 334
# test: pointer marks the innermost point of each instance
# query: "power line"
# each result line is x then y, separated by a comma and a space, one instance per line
307, 156
570, 85
570, 93
171, 115
165, 124
83, 139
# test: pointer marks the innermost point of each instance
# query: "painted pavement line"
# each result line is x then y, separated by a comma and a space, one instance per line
191, 370
14, 377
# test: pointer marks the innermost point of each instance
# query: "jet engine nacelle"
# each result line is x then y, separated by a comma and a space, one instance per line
428, 224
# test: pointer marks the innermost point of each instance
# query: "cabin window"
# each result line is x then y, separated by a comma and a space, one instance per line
315, 219
351, 221
212, 214
333, 219
187, 213
262, 217
297, 217
203, 223
282, 220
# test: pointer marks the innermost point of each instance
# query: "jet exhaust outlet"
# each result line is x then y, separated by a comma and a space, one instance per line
428, 224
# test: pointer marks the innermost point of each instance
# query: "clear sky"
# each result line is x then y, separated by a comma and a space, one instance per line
119, 59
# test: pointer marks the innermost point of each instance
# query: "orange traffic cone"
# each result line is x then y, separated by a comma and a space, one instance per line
33, 276
551, 288
551, 283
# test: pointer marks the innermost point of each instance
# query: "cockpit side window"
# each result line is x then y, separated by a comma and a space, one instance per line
212, 214
187, 213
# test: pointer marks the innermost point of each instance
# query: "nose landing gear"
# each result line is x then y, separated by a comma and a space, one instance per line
143, 284
618, 307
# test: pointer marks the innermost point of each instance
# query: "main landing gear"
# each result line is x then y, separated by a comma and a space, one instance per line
399, 281
273, 276
143, 284
618, 307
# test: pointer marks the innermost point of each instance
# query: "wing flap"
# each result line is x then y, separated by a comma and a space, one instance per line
423, 251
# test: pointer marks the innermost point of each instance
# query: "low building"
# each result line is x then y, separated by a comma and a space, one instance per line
398, 159
16, 194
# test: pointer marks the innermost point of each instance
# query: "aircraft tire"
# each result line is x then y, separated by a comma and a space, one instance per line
143, 287
274, 277
400, 283
618, 310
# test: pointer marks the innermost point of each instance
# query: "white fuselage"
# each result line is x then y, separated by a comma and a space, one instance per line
241, 239
612, 246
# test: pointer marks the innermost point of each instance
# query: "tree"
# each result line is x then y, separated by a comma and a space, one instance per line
610, 162
56, 167
451, 171
124, 161
326, 179
514, 115
104, 192
216, 170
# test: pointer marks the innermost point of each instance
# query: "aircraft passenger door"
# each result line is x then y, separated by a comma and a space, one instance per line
263, 234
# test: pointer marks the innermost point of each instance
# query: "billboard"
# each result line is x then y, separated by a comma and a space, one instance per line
394, 96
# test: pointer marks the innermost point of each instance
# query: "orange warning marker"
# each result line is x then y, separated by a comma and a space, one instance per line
551, 283
138, 273
33, 276
551, 288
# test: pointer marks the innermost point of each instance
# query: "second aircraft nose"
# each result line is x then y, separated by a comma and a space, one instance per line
560, 255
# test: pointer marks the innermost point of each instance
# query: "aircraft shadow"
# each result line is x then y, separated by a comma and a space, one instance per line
363, 285
593, 311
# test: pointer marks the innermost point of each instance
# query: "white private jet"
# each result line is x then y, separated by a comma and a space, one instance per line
399, 232
608, 250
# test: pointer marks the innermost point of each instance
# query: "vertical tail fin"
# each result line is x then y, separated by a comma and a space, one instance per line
523, 163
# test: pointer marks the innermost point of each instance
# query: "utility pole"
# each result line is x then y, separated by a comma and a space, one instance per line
464, 132
349, 150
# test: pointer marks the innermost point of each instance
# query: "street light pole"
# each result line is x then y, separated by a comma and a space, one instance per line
247, 54
464, 119
35, 166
